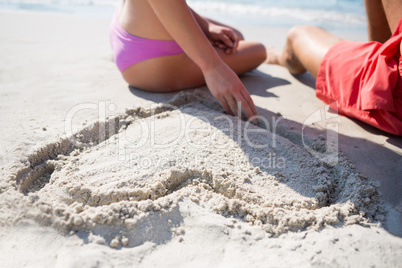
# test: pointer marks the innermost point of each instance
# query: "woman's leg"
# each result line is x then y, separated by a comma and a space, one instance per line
377, 24
305, 48
178, 72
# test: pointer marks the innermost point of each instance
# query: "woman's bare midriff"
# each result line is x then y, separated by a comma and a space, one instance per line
138, 18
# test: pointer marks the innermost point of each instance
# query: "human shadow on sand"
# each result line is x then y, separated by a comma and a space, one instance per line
313, 178
261, 83
371, 159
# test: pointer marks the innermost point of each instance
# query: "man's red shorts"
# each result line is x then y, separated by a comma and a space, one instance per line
364, 78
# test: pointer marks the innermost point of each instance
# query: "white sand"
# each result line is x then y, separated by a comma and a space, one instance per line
156, 186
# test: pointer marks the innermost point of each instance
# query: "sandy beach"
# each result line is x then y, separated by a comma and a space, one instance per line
97, 174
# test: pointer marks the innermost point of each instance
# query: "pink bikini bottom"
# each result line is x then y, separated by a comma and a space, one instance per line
129, 49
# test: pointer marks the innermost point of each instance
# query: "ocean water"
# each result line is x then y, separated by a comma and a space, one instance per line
327, 14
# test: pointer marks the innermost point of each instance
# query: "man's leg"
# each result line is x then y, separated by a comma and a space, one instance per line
377, 23
305, 48
393, 12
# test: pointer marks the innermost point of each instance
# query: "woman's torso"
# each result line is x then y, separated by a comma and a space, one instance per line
138, 18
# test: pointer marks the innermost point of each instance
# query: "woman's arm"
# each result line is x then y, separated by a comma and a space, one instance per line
200, 20
223, 83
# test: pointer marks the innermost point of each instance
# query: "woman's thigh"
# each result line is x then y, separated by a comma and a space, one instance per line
178, 72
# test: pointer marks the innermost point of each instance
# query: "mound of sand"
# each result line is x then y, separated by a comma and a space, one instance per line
123, 182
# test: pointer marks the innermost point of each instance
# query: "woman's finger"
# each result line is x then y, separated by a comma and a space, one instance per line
247, 106
219, 45
236, 45
249, 101
233, 104
226, 40
235, 41
232, 35
226, 106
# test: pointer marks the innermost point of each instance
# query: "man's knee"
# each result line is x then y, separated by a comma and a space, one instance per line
297, 31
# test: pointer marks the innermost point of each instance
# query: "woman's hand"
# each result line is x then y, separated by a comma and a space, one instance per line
188, 29
227, 88
223, 37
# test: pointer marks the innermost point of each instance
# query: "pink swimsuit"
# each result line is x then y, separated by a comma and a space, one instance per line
129, 49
